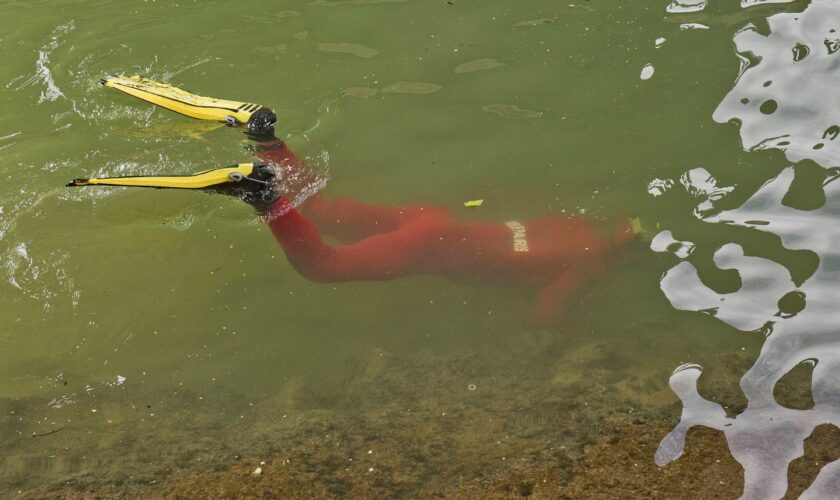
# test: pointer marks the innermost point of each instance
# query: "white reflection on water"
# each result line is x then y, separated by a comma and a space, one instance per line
680, 6
786, 96
685, 6
766, 437
702, 185
785, 99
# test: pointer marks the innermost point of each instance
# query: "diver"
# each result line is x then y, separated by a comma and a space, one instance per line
554, 255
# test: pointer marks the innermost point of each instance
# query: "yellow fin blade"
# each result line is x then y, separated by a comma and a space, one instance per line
181, 101
201, 180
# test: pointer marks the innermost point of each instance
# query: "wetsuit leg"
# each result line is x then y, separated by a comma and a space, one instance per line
384, 256
347, 220
276, 152
555, 300
351, 220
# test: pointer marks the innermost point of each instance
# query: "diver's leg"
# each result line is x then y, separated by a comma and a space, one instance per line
270, 149
384, 256
556, 299
353, 220
345, 219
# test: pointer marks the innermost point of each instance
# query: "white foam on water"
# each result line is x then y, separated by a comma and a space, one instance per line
43, 74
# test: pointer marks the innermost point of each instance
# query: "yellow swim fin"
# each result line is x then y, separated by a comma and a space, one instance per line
234, 113
200, 180
254, 183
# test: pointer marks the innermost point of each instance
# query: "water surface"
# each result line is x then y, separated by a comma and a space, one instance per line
159, 342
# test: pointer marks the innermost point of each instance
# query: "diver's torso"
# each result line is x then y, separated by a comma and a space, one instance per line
531, 252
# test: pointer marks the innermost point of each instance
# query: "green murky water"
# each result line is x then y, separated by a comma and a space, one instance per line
146, 335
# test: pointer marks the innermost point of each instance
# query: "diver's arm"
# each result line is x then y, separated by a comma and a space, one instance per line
379, 257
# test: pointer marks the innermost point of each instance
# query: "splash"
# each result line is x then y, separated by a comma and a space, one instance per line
42, 279
300, 185
42, 70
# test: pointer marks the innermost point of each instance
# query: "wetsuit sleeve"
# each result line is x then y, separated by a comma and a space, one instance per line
378, 257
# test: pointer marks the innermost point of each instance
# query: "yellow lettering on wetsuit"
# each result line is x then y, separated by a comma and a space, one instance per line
520, 243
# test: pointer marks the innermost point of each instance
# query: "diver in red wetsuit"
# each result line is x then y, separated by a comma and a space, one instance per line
555, 255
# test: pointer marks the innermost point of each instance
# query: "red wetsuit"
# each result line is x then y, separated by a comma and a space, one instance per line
553, 254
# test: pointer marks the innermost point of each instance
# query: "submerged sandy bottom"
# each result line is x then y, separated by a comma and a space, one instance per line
561, 424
